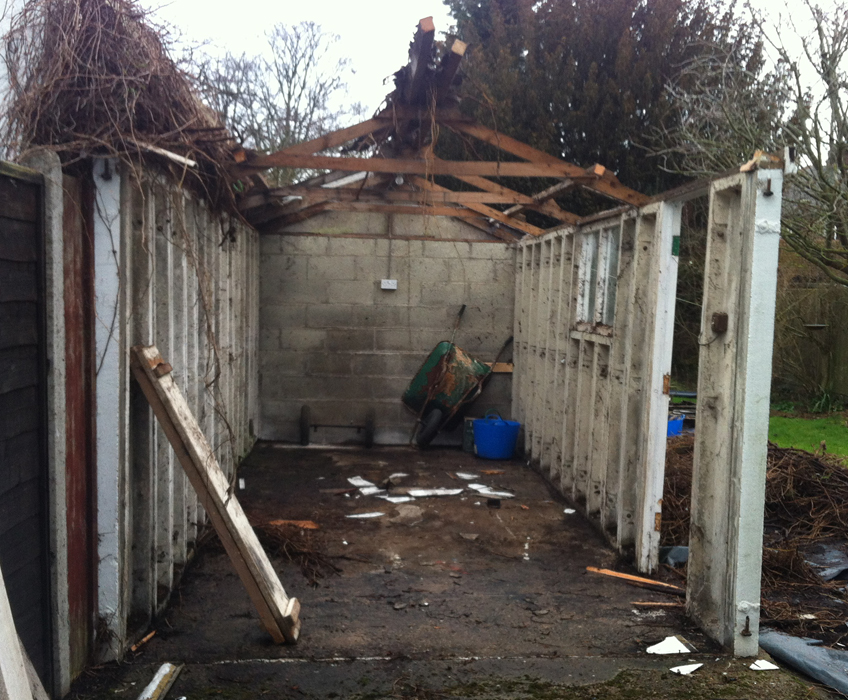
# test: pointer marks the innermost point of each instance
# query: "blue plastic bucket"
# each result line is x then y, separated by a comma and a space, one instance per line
675, 425
494, 437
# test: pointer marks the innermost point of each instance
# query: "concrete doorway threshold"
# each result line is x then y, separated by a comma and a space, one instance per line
439, 597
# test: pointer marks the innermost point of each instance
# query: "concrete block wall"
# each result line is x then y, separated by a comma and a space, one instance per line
332, 339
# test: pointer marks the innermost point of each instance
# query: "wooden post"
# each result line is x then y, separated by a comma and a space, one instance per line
278, 612
734, 379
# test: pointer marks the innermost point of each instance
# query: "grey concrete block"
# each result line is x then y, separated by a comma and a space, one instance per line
445, 294
314, 388
387, 364
327, 269
351, 247
329, 364
282, 315
304, 245
399, 247
408, 339
278, 267
351, 292
283, 362
377, 268
492, 251
302, 339
473, 271
269, 339
436, 318
388, 387
350, 340
446, 249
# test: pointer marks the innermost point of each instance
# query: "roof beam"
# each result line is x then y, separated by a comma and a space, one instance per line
358, 194
606, 183
545, 195
449, 68
409, 166
549, 208
488, 212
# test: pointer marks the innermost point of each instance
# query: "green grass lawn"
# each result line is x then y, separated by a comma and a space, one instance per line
807, 433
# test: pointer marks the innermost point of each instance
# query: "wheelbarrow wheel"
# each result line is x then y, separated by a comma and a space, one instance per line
370, 427
305, 424
429, 427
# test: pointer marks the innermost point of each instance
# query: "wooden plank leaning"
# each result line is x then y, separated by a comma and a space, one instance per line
279, 613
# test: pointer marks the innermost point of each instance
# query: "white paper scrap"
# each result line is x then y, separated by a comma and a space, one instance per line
496, 494
569, 511
423, 493
686, 670
398, 475
397, 499
371, 490
466, 476
669, 645
359, 481
763, 665
366, 515
478, 487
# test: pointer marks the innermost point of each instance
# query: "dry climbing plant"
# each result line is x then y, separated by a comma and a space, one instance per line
94, 77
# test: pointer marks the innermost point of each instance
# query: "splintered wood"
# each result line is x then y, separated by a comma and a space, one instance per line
279, 613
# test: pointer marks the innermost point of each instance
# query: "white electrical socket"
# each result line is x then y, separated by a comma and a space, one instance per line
388, 284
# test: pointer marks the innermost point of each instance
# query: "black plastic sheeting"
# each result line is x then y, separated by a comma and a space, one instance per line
826, 665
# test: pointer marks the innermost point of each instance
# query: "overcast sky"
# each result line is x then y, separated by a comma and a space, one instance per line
373, 34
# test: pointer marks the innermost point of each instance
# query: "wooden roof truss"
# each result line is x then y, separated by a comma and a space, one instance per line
387, 163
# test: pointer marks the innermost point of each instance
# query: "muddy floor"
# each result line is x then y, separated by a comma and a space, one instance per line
442, 596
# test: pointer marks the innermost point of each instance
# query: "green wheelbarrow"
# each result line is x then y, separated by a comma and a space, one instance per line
448, 381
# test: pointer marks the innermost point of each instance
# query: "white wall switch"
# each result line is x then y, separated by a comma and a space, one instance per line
388, 284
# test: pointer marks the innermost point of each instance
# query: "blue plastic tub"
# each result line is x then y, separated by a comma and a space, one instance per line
494, 437
675, 425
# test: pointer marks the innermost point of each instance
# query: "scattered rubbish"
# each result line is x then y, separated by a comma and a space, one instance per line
466, 476
469, 535
453, 574
492, 472
828, 559
541, 612
523, 507
640, 582
807, 616
686, 670
361, 516
371, 490
344, 542
477, 503
423, 604
451, 476
484, 490
526, 556
302, 524
141, 642
424, 493
397, 476
493, 502
763, 665
358, 481
569, 511
163, 680
824, 664
653, 603
399, 606
241, 484
674, 556
396, 499
671, 645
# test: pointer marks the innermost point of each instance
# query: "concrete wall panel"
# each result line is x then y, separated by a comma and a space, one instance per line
332, 339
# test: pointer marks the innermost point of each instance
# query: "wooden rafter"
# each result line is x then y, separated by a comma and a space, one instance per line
489, 212
409, 166
605, 183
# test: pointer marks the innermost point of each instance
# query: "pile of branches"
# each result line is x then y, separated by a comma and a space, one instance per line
806, 501
94, 77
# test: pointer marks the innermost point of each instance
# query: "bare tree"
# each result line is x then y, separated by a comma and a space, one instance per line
272, 103
730, 107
